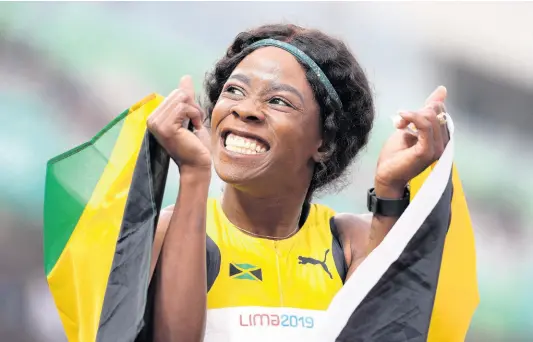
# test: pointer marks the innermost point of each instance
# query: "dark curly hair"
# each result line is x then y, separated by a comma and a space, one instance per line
345, 131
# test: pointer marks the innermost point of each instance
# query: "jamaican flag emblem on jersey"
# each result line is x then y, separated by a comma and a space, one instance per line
245, 271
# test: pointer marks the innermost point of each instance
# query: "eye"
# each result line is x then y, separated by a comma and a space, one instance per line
234, 90
280, 102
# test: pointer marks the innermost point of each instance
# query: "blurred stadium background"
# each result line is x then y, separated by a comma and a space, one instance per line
67, 68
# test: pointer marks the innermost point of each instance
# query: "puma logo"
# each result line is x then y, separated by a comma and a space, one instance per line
312, 261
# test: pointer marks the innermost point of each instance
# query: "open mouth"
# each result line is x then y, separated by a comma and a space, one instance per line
244, 143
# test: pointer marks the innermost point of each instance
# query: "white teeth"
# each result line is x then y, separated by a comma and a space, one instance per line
243, 145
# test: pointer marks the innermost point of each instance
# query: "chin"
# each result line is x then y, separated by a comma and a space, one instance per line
243, 176
235, 174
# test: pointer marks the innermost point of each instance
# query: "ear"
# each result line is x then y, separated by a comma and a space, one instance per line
320, 154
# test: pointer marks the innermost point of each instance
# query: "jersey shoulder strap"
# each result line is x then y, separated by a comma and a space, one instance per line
327, 216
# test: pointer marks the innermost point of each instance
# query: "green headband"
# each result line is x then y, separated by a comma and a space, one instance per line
302, 57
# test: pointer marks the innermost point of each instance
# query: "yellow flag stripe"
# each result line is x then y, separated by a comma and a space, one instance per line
78, 280
457, 293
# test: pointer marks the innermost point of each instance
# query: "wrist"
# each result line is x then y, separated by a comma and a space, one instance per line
389, 191
195, 177
388, 203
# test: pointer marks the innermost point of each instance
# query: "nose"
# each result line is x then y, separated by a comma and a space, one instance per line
248, 111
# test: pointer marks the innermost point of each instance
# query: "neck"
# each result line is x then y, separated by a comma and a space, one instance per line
274, 216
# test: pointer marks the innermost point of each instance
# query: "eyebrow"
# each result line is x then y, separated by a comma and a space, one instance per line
284, 87
240, 77
273, 86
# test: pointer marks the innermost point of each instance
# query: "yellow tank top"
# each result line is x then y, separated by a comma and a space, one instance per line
261, 283
297, 272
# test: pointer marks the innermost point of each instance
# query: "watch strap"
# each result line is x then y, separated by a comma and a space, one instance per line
385, 206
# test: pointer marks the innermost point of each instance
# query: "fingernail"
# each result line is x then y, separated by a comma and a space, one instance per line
396, 119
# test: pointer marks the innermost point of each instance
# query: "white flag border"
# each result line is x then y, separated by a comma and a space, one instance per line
366, 276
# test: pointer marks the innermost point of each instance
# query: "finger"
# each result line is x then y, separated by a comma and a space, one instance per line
204, 136
438, 95
171, 120
431, 111
445, 133
409, 139
187, 86
440, 110
399, 122
426, 143
186, 112
183, 96
444, 127
158, 115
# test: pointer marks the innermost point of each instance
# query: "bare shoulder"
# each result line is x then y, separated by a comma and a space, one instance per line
354, 232
353, 223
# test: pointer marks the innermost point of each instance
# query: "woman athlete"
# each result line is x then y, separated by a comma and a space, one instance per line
288, 110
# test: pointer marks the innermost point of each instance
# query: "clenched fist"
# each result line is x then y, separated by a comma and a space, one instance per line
405, 155
168, 123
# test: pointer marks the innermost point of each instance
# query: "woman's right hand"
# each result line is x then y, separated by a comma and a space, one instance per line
168, 123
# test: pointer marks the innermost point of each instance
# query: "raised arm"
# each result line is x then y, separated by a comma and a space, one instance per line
403, 157
180, 303
180, 300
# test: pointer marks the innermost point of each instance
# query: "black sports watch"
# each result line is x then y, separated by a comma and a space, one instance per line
387, 207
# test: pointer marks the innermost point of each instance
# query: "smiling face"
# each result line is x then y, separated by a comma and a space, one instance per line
265, 125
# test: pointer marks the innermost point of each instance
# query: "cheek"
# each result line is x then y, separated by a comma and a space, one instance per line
298, 135
297, 144
220, 111
310, 133
215, 116
314, 133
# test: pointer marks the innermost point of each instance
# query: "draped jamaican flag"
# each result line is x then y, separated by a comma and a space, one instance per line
420, 283
102, 201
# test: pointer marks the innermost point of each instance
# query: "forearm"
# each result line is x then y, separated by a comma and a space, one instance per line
381, 225
180, 303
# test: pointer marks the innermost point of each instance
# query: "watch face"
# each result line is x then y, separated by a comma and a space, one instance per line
371, 200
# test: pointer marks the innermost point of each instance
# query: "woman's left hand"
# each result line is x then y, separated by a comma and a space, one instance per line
404, 155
